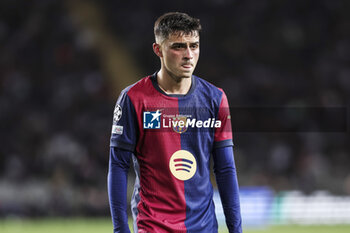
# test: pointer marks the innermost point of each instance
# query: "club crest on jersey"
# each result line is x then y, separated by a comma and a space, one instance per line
179, 124
151, 120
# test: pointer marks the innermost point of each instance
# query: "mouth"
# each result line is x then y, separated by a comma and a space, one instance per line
187, 66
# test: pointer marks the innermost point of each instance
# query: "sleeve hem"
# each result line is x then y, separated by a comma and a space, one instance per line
122, 145
223, 143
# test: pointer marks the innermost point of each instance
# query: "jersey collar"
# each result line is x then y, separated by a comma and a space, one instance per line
156, 86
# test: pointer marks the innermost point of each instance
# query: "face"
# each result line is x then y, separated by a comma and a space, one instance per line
179, 54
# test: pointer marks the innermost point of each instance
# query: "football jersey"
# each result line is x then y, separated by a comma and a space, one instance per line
172, 138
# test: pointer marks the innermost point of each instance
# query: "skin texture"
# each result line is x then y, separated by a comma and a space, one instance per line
179, 54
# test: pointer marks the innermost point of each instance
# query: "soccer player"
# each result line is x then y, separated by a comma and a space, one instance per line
170, 124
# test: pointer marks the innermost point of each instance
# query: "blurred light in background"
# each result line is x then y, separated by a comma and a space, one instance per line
63, 64
261, 206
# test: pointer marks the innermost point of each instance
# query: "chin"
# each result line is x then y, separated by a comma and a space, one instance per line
181, 74
186, 75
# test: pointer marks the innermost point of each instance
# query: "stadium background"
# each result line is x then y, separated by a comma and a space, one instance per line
63, 64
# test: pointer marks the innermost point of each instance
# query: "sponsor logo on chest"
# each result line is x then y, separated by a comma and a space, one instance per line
179, 123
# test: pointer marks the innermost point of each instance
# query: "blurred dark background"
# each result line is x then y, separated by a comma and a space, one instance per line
64, 63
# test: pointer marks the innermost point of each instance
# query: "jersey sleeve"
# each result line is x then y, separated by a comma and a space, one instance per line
223, 134
119, 164
125, 126
226, 179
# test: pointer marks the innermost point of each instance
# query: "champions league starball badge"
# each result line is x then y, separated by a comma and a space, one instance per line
117, 113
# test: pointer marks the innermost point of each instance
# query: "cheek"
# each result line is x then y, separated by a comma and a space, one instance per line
173, 57
196, 54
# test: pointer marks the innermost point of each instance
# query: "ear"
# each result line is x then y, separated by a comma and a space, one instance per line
157, 50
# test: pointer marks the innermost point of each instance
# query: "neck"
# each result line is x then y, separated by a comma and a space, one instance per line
173, 85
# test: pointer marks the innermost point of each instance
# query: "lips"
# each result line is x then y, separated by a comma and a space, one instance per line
187, 66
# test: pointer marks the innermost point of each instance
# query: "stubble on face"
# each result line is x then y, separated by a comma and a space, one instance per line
180, 55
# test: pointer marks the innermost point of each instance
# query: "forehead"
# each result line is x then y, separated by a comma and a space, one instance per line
183, 38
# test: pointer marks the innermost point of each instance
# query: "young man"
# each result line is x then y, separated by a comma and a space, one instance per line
170, 123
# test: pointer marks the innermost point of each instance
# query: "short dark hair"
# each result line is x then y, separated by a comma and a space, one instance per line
176, 22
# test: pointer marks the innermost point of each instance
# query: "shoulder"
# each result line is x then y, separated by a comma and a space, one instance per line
209, 88
135, 92
141, 87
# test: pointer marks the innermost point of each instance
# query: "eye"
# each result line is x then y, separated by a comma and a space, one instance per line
177, 46
194, 46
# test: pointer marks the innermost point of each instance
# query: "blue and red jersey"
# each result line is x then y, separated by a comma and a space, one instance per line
172, 138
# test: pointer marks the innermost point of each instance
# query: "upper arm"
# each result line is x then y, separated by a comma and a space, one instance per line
223, 134
124, 127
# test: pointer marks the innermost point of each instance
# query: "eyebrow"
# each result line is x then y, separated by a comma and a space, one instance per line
183, 43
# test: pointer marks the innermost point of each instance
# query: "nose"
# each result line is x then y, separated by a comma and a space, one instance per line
188, 54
